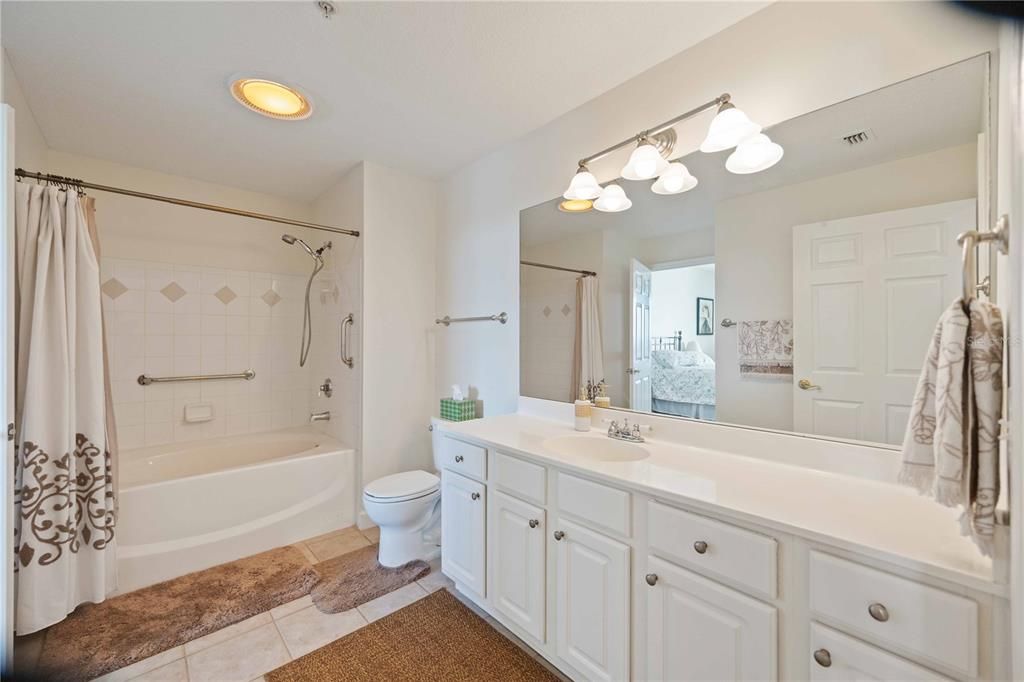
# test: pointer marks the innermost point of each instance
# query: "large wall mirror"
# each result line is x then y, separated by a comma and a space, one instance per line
801, 298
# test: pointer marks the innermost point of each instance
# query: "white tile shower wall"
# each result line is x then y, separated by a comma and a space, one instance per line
173, 320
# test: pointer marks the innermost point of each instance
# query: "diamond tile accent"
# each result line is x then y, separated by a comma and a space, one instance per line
271, 297
173, 292
113, 287
566, 309
225, 295
546, 311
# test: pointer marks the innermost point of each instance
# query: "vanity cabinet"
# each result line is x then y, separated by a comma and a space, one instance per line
463, 531
517, 534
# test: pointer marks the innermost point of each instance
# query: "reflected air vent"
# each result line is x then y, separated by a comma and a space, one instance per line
858, 138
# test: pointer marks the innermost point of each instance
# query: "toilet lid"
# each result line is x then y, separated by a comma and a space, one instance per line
406, 485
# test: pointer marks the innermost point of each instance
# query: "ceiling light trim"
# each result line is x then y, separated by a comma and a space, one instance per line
238, 90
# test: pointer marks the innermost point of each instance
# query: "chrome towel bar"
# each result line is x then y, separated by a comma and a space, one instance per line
248, 375
500, 317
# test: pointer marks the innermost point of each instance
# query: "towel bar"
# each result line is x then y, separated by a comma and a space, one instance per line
144, 380
500, 317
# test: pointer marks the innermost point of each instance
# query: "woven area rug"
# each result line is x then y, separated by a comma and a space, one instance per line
99, 638
436, 638
356, 578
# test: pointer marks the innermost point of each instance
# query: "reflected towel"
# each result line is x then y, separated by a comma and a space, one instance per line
766, 347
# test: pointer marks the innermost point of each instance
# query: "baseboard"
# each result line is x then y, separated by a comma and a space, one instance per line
363, 521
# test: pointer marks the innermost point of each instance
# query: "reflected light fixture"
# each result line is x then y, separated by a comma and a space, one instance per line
675, 180
576, 205
271, 99
583, 186
753, 155
644, 163
612, 200
729, 127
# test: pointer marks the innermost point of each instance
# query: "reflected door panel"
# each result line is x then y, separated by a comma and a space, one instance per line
639, 371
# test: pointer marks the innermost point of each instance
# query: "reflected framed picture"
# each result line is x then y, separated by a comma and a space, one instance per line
705, 316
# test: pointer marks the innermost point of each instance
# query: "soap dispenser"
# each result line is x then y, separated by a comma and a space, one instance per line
582, 411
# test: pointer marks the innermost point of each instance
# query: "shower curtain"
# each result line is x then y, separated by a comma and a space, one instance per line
65, 507
588, 355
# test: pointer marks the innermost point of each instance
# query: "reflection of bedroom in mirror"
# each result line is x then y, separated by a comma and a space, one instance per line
799, 298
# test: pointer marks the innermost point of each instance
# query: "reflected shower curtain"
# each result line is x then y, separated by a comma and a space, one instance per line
65, 507
588, 354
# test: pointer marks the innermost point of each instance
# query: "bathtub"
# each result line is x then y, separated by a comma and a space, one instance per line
189, 506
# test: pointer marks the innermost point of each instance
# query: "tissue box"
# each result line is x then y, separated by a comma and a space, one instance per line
458, 410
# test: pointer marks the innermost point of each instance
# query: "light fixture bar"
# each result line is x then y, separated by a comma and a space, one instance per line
661, 127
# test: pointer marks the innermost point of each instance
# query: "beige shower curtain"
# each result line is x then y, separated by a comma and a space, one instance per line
588, 353
65, 507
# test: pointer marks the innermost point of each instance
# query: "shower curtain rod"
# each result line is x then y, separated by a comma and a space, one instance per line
585, 273
75, 182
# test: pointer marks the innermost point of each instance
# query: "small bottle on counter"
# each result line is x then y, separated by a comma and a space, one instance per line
602, 399
582, 411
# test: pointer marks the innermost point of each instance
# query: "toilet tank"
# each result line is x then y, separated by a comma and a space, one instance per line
435, 441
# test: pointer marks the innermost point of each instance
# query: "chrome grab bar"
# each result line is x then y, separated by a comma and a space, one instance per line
500, 317
144, 380
346, 331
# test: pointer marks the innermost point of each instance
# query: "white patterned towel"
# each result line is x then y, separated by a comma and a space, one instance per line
951, 447
766, 347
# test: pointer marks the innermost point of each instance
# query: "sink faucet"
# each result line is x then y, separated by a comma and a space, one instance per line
324, 416
625, 432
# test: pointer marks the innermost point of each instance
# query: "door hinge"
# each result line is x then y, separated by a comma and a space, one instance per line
11, 431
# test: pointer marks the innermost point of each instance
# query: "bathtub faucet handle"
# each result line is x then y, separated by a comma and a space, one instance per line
324, 416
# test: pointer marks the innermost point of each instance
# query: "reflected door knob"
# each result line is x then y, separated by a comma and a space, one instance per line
806, 385
823, 658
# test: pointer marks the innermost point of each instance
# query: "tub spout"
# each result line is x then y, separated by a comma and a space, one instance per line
324, 416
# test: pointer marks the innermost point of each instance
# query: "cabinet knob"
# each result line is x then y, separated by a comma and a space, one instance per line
879, 612
534, 523
559, 535
458, 458
700, 547
475, 496
652, 579
823, 658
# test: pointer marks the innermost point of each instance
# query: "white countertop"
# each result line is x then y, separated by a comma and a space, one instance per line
885, 520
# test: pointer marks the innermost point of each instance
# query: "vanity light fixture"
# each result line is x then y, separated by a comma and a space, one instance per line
729, 127
675, 180
753, 155
613, 199
583, 186
645, 162
271, 99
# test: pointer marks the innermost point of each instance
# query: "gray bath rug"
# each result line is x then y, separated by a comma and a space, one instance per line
356, 578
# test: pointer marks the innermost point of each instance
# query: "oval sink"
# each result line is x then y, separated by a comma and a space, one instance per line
598, 449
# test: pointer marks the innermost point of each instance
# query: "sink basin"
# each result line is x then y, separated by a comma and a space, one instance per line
598, 449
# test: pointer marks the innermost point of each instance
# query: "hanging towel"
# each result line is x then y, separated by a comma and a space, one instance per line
951, 446
766, 347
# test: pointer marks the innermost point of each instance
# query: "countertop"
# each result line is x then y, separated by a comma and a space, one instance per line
887, 521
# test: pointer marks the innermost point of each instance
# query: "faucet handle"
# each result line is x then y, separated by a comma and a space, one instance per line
613, 427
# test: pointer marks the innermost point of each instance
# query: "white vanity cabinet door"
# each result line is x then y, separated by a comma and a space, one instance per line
699, 630
592, 602
517, 540
463, 528
841, 658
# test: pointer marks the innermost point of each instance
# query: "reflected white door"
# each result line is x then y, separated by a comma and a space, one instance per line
867, 293
639, 371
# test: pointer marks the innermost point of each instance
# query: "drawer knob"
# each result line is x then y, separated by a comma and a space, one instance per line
652, 579
823, 658
534, 523
559, 535
475, 496
700, 547
879, 612
458, 458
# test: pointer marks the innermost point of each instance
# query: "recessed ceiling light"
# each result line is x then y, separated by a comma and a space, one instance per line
271, 99
576, 205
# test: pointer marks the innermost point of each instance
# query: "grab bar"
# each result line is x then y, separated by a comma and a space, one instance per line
500, 317
346, 331
248, 375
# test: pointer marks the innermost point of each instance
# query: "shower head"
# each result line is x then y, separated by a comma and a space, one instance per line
289, 239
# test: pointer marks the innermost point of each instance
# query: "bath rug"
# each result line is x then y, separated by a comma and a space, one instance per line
99, 638
356, 578
436, 638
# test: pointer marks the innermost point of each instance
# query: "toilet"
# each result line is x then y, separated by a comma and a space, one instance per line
407, 509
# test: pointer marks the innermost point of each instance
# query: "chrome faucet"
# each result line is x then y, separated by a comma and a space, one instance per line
625, 432
324, 416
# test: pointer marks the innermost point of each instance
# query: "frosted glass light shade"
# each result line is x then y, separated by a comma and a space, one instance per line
612, 200
754, 155
644, 163
583, 186
729, 127
675, 180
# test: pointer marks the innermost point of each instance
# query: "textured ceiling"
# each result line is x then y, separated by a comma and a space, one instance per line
426, 87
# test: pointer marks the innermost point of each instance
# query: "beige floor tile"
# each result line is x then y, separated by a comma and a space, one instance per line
391, 602
144, 666
224, 634
291, 607
347, 530
436, 580
337, 545
175, 671
371, 534
249, 655
309, 629
302, 547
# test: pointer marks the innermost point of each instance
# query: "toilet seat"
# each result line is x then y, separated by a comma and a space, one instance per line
402, 487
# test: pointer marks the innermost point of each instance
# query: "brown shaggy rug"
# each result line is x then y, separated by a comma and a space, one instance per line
435, 638
99, 638
355, 578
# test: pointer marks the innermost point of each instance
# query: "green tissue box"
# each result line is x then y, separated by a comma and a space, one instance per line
458, 410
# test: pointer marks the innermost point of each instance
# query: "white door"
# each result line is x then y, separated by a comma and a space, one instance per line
867, 293
592, 602
836, 657
699, 630
517, 539
7, 372
463, 513
639, 371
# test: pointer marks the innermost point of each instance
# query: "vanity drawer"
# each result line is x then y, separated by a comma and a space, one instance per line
465, 458
835, 656
923, 620
519, 477
713, 548
595, 504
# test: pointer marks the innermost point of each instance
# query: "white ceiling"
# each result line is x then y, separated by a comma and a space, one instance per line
426, 87
933, 111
